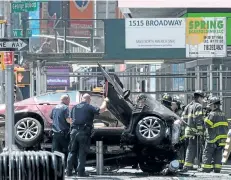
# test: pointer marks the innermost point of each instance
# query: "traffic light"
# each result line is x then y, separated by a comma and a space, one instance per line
16, 59
2, 60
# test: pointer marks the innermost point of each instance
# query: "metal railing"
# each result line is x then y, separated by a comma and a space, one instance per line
65, 36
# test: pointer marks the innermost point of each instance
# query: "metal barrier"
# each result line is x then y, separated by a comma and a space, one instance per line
31, 165
65, 36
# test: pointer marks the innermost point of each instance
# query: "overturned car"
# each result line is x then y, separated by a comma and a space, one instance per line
150, 130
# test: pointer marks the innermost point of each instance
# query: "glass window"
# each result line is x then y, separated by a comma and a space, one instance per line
55, 96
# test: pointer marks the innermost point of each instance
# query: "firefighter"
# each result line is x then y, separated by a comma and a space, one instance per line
166, 100
216, 129
176, 106
193, 116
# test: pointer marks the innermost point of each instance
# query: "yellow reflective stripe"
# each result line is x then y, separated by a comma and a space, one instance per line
208, 121
221, 144
182, 137
207, 166
217, 138
217, 166
220, 124
229, 119
200, 127
190, 129
188, 164
181, 161
198, 113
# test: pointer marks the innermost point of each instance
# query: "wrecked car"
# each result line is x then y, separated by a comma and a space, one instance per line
133, 131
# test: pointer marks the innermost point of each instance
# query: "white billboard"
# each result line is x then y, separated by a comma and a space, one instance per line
150, 33
174, 4
206, 37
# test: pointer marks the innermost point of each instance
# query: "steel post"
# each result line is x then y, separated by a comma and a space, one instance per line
197, 80
211, 79
106, 10
38, 78
221, 83
32, 80
95, 17
2, 80
65, 36
9, 131
99, 153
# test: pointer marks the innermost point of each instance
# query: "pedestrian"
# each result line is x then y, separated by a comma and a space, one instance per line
216, 130
82, 116
166, 100
61, 125
193, 116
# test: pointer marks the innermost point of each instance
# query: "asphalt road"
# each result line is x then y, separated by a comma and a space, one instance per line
131, 174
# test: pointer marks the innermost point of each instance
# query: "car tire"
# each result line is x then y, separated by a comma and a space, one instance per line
28, 132
152, 136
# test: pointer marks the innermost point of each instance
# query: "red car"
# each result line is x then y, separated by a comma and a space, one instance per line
32, 117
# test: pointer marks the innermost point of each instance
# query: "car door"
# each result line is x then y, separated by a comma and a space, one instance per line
118, 106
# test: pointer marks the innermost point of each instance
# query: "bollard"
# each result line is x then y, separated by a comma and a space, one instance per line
99, 158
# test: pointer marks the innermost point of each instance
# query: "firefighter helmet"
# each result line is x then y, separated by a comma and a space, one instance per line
166, 97
199, 93
214, 100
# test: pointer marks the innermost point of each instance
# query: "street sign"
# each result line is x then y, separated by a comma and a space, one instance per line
17, 7
9, 58
2, 60
16, 44
19, 33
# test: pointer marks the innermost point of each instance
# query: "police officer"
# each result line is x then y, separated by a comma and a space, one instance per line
216, 127
61, 125
82, 116
193, 116
166, 100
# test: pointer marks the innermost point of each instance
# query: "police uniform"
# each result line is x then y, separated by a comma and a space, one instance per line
60, 128
82, 122
193, 116
216, 133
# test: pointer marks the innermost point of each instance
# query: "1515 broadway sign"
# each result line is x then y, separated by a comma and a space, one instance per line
206, 37
154, 33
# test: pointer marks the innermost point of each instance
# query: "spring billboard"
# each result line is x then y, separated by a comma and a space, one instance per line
206, 37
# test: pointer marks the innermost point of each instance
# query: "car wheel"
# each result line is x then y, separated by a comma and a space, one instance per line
150, 130
28, 132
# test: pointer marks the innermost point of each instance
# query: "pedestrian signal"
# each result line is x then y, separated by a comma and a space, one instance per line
23, 77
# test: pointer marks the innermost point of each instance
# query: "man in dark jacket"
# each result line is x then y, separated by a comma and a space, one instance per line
82, 116
61, 125
216, 129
